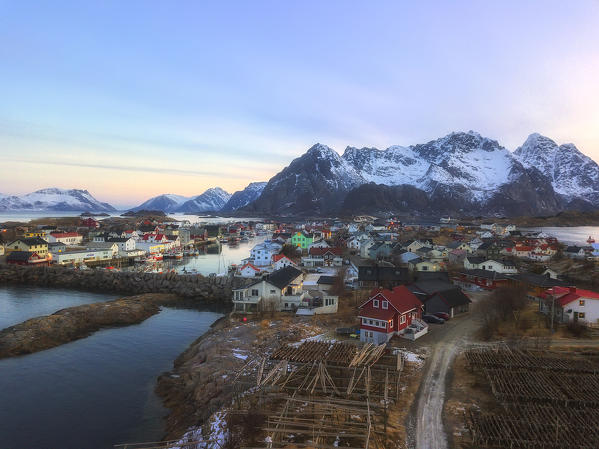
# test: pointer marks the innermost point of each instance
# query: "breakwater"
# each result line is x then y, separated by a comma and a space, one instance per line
206, 289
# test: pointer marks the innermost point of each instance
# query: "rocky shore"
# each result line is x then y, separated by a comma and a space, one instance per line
78, 322
203, 377
201, 288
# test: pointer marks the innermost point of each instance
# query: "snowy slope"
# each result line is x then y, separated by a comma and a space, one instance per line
244, 197
167, 202
572, 174
212, 200
463, 170
54, 199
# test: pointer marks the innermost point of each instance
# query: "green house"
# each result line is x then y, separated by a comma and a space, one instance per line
302, 240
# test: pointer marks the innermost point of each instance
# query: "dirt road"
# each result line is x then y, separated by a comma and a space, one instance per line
445, 342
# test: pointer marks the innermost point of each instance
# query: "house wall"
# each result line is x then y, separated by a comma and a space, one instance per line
590, 310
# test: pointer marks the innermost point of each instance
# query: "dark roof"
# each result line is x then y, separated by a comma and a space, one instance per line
283, 277
117, 239
429, 287
573, 249
476, 259
326, 280
454, 244
430, 275
377, 273
487, 274
30, 241
538, 280
19, 256
453, 297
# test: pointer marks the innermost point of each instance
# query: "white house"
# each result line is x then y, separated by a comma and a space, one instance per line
572, 304
262, 253
319, 244
68, 238
112, 246
249, 270
482, 263
280, 290
281, 261
124, 243
365, 248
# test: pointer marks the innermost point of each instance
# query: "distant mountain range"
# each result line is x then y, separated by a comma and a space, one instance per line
54, 199
212, 200
460, 174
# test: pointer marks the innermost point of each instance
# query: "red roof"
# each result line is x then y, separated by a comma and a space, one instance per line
379, 314
566, 295
402, 299
278, 257
64, 234
251, 266
524, 248
322, 251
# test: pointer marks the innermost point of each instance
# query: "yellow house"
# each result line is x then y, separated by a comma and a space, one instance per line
33, 234
32, 244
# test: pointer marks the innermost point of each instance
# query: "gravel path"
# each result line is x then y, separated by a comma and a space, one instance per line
447, 341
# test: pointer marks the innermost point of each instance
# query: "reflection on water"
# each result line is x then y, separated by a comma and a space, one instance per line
98, 391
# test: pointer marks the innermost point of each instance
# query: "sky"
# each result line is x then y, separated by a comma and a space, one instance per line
131, 99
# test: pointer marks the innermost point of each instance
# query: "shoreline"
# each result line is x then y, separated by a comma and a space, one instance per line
74, 323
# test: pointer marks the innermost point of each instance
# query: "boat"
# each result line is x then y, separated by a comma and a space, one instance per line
590, 240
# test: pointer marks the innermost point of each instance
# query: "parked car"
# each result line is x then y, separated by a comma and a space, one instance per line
442, 315
433, 319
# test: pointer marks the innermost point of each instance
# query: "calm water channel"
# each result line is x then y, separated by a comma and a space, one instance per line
90, 393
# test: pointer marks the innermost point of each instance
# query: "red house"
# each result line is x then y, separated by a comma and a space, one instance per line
388, 313
90, 223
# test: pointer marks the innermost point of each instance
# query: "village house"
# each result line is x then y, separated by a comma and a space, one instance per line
382, 275
281, 261
68, 238
387, 313
478, 279
571, 304
575, 252
280, 290
323, 257
124, 244
89, 223
380, 250
26, 258
249, 270
482, 263
29, 244
112, 246
452, 301
301, 239
57, 247
261, 254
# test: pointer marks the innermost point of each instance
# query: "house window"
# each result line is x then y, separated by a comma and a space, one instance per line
385, 304
375, 303
255, 293
273, 291
391, 324
370, 322
581, 315
581, 302
286, 305
402, 319
364, 321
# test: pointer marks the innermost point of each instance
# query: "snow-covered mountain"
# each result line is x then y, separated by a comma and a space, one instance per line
244, 197
212, 200
54, 199
572, 174
167, 202
462, 172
